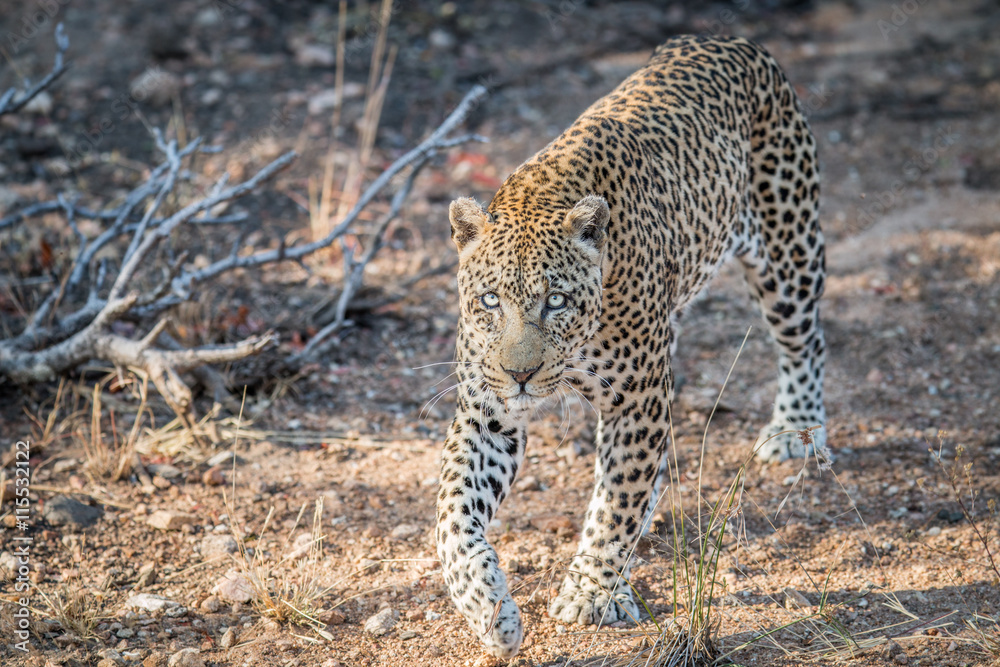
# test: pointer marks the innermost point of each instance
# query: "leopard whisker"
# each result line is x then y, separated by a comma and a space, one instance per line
431, 402
604, 381
580, 395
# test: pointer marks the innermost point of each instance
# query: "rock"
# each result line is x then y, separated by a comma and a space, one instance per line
315, 55
901, 658
107, 662
228, 639
150, 602
369, 564
441, 39
333, 617
155, 86
112, 655
552, 523
175, 611
8, 563
147, 576
125, 633
211, 604
528, 483
7, 492
213, 477
951, 516
431, 615
211, 97
161, 482
234, 587
405, 531
795, 600
155, 659
382, 622
186, 657
414, 615
41, 104
328, 99
164, 470
64, 511
215, 545
224, 458
300, 548
171, 520
65, 465
407, 634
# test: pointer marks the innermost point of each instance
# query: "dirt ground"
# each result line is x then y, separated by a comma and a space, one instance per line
903, 99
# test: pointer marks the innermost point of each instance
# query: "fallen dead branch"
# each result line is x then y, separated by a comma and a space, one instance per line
13, 100
126, 273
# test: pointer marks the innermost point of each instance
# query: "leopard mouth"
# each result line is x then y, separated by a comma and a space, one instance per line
525, 395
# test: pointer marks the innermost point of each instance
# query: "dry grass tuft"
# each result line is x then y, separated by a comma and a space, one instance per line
76, 609
108, 455
287, 586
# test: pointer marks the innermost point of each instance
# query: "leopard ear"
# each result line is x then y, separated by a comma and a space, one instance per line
467, 221
588, 221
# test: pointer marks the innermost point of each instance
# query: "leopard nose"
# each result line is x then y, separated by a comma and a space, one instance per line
521, 377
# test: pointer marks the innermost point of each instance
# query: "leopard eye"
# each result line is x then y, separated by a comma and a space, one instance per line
490, 300
556, 301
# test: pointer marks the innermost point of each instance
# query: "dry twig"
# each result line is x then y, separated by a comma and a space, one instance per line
13, 101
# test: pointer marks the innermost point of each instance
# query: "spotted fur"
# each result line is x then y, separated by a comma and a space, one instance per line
571, 280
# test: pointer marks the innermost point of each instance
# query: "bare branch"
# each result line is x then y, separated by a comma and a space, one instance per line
353, 277
11, 101
57, 338
419, 155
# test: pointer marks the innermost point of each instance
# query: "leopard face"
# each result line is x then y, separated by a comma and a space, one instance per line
524, 317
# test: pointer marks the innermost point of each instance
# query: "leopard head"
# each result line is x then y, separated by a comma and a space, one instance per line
530, 291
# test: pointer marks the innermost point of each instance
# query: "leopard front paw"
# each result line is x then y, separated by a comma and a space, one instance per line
502, 631
586, 606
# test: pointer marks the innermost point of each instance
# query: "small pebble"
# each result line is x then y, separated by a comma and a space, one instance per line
186, 657
211, 604
382, 622
228, 639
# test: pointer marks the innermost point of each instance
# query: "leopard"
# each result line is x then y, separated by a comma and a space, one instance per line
572, 281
